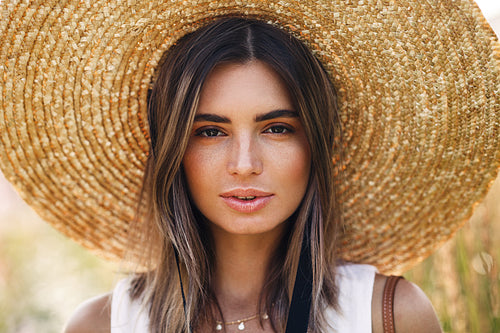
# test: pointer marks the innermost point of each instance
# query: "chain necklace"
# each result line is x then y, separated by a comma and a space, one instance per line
239, 322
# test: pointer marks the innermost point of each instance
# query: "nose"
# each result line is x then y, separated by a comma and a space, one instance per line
244, 157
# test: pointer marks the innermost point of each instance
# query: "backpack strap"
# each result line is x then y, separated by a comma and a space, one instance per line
300, 306
388, 303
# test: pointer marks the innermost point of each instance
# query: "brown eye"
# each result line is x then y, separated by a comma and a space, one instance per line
278, 129
209, 132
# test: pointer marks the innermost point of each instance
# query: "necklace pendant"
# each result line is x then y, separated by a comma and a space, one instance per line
218, 327
241, 326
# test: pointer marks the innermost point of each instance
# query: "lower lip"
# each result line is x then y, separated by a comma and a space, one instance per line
247, 206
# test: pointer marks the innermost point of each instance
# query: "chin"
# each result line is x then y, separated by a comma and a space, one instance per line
242, 228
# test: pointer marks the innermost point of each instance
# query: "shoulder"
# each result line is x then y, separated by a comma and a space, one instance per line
413, 312
92, 315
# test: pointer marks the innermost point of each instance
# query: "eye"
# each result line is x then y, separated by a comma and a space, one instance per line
278, 129
209, 132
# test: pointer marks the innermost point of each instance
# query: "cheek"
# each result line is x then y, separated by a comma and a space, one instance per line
203, 168
293, 168
302, 168
302, 165
196, 165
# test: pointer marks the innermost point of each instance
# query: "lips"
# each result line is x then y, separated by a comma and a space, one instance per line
246, 200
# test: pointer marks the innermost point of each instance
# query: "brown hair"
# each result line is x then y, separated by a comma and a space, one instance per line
173, 221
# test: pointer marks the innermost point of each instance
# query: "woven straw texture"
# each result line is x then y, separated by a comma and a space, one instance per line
419, 89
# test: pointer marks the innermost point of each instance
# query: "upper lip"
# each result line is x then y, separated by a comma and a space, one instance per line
245, 192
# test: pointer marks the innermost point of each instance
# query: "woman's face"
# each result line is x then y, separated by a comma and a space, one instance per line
248, 160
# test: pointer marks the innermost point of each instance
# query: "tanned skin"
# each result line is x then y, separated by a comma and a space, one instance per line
413, 311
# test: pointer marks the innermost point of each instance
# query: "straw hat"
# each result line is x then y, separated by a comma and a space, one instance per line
418, 83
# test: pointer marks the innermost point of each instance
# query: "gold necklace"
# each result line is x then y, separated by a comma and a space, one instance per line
240, 322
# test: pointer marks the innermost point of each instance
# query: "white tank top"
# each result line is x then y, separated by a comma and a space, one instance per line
355, 284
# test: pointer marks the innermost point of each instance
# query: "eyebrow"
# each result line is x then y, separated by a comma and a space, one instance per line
277, 114
210, 117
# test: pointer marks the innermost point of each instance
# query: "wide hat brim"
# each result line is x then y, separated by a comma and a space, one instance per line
418, 85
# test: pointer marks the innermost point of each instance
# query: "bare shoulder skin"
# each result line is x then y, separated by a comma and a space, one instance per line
92, 316
413, 312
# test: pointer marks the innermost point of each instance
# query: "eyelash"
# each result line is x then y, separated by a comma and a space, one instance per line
204, 132
287, 129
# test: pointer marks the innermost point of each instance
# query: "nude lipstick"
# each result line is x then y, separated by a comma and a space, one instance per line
246, 200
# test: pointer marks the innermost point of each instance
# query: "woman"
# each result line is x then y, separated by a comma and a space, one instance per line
239, 181
249, 114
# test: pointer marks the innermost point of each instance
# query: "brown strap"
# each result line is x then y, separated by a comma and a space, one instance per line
388, 303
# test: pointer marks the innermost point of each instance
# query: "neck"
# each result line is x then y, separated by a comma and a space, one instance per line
241, 268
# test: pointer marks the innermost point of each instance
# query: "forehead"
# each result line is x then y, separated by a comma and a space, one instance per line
251, 87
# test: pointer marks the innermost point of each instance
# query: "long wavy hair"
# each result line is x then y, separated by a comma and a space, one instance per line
172, 220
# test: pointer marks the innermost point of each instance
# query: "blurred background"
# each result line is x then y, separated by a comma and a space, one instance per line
44, 276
